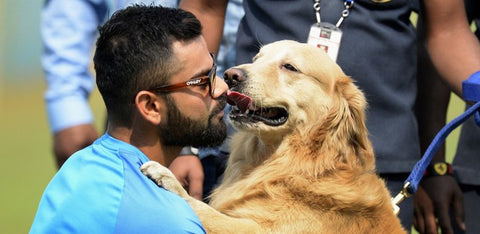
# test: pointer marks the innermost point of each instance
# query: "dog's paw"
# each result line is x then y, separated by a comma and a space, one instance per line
156, 172
163, 177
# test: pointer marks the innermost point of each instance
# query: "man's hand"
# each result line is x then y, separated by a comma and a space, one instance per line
70, 140
189, 171
433, 199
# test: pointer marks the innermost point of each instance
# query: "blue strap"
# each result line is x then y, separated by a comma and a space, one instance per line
417, 172
471, 88
471, 91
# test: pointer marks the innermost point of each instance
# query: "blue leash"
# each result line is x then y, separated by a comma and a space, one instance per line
411, 183
471, 92
420, 167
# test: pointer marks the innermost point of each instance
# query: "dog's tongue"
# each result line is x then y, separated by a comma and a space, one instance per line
242, 101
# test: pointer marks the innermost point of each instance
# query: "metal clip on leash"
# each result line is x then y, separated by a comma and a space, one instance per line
471, 93
400, 197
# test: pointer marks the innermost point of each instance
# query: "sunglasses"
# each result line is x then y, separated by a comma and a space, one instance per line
198, 81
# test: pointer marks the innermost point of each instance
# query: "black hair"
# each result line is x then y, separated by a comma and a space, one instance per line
134, 52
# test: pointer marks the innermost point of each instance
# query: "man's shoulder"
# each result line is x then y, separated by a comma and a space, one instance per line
82, 196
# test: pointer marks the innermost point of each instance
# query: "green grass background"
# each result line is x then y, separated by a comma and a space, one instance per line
26, 160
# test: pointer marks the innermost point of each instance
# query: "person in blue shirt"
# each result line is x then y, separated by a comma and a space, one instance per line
159, 84
68, 37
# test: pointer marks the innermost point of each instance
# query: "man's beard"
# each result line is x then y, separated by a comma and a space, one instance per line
180, 130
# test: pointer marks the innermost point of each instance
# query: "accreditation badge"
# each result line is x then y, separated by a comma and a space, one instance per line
326, 36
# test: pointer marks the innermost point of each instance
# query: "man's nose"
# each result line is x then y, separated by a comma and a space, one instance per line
234, 76
220, 87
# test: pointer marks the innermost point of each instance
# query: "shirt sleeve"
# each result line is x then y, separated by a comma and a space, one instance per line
69, 29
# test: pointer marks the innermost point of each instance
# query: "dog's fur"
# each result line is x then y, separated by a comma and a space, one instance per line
315, 173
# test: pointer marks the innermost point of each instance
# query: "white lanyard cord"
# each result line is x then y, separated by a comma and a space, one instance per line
348, 5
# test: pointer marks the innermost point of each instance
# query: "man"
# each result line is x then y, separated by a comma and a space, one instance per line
157, 79
68, 38
378, 49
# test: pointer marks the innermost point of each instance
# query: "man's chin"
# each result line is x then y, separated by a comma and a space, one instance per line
214, 140
210, 133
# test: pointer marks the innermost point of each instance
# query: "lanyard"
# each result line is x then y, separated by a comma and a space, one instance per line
348, 5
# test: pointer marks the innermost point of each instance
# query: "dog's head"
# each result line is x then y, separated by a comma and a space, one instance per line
289, 83
293, 86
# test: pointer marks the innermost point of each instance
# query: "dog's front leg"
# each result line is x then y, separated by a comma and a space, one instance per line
213, 220
163, 177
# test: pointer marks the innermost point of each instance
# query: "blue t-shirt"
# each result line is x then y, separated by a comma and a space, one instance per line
101, 189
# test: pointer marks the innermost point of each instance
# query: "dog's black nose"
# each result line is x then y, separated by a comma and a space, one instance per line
234, 76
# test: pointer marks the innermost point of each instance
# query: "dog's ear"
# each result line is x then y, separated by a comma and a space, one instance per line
355, 115
343, 132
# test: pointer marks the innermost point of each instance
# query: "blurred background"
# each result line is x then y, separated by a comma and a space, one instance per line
26, 159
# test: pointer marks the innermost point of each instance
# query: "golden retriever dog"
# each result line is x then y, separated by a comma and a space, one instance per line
301, 160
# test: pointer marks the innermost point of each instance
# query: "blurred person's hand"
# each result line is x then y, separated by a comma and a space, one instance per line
424, 215
433, 200
70, 140
189, 171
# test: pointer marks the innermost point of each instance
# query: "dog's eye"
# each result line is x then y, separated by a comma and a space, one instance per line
290, 67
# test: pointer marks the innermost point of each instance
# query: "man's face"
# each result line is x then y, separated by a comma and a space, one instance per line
180, 130
193, 116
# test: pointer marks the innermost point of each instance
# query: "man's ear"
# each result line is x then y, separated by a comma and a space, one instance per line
150, 106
